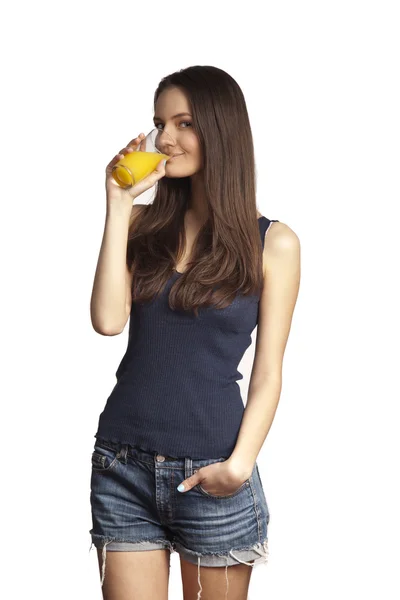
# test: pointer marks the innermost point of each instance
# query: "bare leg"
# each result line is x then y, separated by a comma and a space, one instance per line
217, 583
141, 575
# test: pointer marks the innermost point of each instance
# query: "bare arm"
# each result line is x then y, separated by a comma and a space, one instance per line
111, 300
282, 262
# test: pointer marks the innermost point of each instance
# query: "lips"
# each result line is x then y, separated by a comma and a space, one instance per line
175, 155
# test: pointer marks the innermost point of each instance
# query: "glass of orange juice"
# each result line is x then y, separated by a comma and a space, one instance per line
144, 159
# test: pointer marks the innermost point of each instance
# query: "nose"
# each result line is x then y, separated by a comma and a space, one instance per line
165, 142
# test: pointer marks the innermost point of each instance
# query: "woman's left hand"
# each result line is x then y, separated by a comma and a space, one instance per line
219, 479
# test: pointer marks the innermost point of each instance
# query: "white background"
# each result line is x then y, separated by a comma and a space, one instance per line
321, 81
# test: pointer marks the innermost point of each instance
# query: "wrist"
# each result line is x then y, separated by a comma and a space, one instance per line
241, 465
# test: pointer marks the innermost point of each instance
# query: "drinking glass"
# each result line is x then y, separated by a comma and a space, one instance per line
136, 165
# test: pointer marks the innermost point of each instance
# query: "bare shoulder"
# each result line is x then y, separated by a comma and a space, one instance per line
281, 243
280, 234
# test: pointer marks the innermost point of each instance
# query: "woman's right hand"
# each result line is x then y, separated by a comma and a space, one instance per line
117, 194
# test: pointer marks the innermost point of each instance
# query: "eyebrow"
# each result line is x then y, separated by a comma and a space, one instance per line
174, 117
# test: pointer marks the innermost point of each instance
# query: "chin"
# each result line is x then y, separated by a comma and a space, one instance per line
175, 173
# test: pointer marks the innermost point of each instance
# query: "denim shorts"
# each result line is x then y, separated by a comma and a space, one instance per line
135, 506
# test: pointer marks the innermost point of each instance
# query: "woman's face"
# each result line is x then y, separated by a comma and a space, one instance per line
184, 142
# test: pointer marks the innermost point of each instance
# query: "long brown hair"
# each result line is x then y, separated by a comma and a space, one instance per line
227, 253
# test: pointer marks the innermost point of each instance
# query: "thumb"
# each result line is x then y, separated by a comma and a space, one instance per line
161, 165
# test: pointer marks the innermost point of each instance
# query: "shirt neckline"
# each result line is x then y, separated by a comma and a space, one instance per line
175, 272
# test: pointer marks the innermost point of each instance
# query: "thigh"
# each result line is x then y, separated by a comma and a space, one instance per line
122, 499
215, 583
220, 538
221, 530
140, 575
133, 546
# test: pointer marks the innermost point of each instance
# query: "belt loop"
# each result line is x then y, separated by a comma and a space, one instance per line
188, 466
123, 453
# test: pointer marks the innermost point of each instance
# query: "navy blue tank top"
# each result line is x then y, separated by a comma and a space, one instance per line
177, 390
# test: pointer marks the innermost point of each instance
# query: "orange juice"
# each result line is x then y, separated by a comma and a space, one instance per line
136, 166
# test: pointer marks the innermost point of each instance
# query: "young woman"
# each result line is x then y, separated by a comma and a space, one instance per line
195, 271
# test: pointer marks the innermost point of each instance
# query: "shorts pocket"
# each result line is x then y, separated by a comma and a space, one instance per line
104, 459
199, 488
